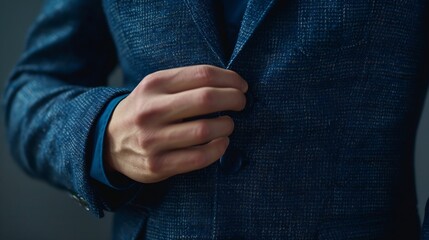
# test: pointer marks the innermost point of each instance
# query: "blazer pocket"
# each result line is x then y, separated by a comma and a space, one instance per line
330, 26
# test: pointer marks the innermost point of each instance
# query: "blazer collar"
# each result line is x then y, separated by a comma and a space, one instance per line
203, 13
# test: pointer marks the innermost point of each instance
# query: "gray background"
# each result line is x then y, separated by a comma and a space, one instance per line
33, 210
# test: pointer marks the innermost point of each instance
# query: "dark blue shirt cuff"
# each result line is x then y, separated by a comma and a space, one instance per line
97, 171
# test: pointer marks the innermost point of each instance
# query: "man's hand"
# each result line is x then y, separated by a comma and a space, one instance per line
147, 138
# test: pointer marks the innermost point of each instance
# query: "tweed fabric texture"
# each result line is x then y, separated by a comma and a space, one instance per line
323, 149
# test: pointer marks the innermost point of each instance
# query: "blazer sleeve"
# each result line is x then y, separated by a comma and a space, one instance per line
56, 93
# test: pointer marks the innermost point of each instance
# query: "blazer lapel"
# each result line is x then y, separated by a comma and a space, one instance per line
203, 13
255, 12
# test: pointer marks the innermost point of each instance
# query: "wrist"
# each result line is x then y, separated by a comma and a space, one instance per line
101, 166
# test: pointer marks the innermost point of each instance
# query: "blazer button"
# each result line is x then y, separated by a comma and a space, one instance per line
231, 161
80, 201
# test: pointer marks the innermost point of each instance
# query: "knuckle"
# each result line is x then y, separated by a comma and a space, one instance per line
202, 131
149, 82
204, 73
206, 98
150, 110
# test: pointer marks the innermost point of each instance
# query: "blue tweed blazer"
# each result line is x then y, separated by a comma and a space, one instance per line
323, 150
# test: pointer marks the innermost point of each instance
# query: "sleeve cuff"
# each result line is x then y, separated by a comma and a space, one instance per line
116, 180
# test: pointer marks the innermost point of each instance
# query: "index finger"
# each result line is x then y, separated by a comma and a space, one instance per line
191, 77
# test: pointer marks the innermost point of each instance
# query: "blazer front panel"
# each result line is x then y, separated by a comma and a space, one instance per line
325, 143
